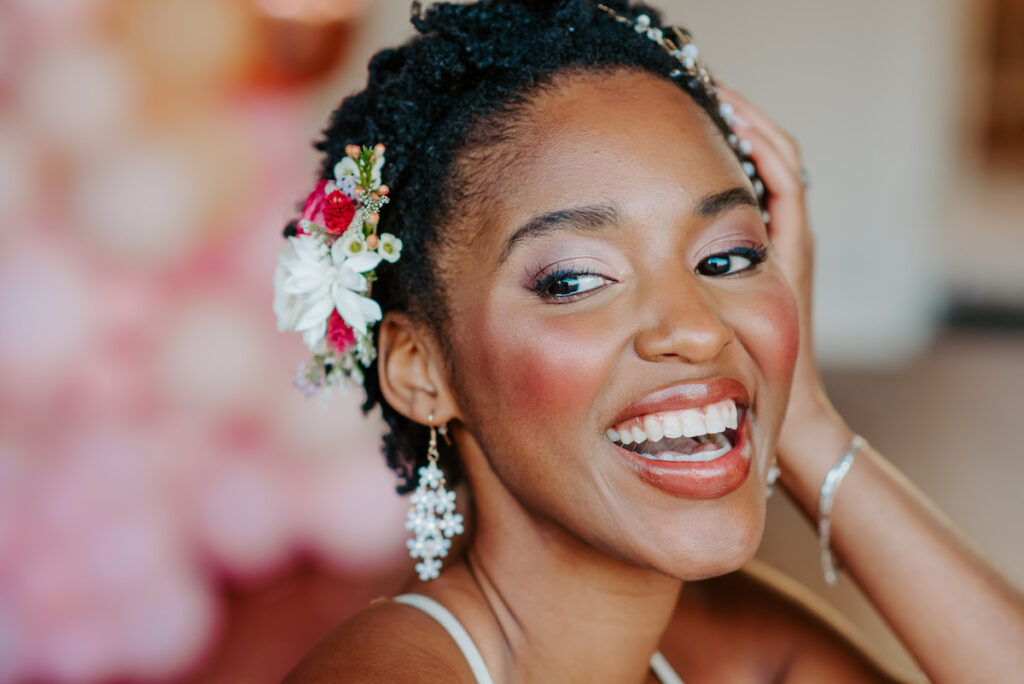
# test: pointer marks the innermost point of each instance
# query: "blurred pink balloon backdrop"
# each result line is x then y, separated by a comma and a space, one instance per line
153, 452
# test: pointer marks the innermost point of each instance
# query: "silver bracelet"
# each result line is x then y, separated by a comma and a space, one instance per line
825, 501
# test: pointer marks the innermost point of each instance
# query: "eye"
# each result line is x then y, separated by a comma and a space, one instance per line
735, 260
566, 284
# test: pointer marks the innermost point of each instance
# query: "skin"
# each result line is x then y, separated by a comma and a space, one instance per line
576, 567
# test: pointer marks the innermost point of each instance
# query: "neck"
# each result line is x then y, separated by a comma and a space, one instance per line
545, 606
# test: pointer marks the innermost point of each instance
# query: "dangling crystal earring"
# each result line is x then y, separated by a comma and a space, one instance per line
432, 517
770, 478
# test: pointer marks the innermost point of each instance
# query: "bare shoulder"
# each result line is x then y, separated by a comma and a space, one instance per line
757, 625
388, 642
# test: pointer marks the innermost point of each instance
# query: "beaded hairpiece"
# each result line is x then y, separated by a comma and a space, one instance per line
323, 278
692, 68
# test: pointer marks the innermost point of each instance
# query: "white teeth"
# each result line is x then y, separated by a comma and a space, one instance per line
693, 424
714, 419
652, 426
709, 420
673, 426
638, 435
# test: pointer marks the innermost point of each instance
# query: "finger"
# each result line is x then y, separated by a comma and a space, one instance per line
785, 189
747, 112
780, 177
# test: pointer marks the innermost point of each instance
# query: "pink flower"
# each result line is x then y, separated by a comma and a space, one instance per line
316, 203
340, 337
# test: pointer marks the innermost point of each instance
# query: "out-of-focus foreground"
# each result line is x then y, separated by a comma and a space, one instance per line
171, 507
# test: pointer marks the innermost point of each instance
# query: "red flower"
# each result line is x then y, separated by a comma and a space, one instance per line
339, 211
340, 337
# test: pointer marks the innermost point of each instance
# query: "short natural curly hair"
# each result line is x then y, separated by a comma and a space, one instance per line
443, 104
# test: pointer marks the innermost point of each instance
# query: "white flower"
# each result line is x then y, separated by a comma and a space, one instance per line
287, 307
375, 171
352, 243
348, 167
360, 261
325, 280
347, 185
389, 247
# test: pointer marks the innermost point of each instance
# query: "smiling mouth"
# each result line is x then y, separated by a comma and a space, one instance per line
694, 435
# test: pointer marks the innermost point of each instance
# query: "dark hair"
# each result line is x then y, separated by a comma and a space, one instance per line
448, 98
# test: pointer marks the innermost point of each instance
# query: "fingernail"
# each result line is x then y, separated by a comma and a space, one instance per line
740, 121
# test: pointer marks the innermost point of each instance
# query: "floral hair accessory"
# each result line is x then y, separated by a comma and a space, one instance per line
323, 278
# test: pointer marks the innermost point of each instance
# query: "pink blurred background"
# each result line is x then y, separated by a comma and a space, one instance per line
173, 509
159, 475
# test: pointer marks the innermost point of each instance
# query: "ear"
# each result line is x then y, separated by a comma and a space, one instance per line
412, 371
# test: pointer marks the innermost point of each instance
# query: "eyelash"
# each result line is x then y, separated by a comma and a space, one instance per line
755, 255
544, 281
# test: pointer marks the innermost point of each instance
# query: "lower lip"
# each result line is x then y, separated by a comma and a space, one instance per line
693, 480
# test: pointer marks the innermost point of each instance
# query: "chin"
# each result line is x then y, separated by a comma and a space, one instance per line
716, 544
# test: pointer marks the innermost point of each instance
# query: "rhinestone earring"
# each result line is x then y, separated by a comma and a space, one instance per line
432, 517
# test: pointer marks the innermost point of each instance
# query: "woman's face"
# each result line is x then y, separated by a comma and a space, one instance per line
614, 284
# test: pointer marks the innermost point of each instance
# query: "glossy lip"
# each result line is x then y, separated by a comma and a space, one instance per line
686, 395
697, 480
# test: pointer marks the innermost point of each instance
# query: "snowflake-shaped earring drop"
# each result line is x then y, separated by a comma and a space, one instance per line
432, 517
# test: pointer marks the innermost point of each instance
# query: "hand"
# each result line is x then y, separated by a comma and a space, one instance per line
777, 157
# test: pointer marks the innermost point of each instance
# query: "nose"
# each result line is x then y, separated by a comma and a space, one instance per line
685, 323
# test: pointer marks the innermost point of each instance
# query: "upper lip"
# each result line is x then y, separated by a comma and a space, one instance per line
685, 395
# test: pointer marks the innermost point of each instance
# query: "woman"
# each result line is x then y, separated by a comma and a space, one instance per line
600, 288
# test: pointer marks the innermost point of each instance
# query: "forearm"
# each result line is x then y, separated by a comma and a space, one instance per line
960, 619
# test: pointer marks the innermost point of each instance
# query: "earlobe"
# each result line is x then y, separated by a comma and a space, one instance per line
411, 369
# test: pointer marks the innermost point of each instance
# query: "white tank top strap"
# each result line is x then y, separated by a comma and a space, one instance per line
455, 629
662, 670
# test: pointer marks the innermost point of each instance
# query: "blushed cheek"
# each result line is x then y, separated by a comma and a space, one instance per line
542, 369
770, 329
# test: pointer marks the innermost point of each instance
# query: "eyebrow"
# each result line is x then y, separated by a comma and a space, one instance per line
597, 216
712, 205
587, 218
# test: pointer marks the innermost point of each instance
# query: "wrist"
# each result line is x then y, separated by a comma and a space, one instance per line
808, 451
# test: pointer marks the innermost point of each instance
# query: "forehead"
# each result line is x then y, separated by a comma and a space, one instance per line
621, 137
